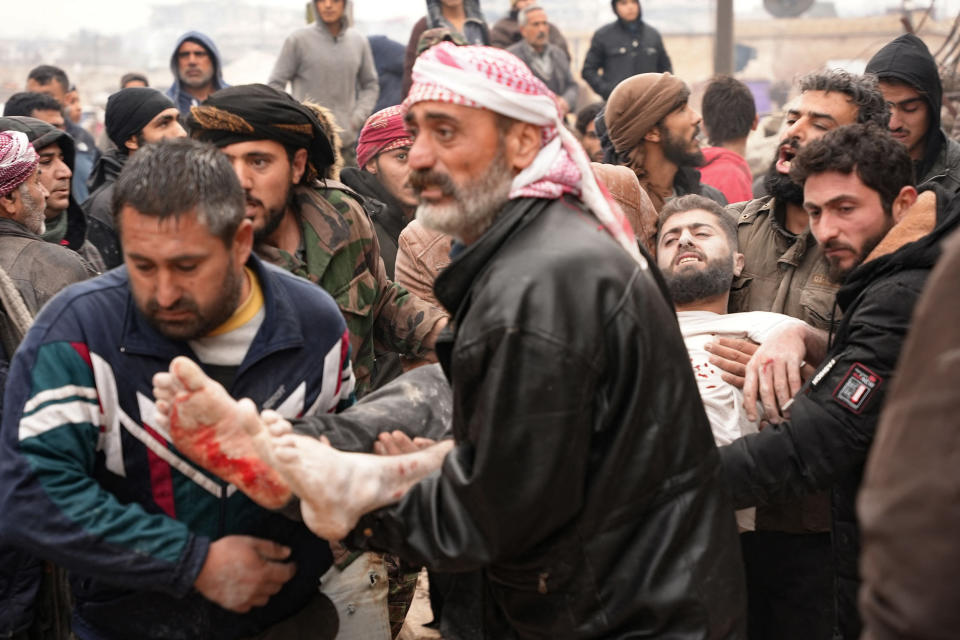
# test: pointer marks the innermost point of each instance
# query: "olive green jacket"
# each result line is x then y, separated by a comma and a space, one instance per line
340, 252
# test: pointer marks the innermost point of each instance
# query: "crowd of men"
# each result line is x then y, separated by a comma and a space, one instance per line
267, 354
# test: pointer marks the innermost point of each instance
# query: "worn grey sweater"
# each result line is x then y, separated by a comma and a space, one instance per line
337, 73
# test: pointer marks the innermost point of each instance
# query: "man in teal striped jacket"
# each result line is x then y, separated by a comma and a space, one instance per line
157, 547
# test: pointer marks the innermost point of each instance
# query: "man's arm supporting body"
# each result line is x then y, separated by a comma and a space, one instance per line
828, 434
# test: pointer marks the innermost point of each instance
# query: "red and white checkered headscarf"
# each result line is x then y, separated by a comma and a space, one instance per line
491, 78
383, 131
17, 160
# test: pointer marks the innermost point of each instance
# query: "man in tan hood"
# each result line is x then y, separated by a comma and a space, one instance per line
655, 132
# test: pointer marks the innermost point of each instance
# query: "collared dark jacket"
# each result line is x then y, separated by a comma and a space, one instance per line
622, 50
99, 205
907, 59
88, 481
584, 482
833, 419
385, 211
93, 240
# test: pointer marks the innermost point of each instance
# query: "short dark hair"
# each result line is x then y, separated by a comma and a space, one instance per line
694, 201
861, 90
587, 115
728, 110
882, 163
26, 102
133, 76
172, 178
47, 73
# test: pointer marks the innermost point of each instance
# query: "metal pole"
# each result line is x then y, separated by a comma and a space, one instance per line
723, 40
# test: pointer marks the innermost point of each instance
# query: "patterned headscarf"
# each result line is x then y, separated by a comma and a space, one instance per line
17, 160
383, 131
634, 107
493, 79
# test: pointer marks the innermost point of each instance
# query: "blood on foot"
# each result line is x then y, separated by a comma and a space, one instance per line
247, 471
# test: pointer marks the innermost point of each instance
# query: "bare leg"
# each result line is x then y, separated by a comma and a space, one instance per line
336, 488
207, 425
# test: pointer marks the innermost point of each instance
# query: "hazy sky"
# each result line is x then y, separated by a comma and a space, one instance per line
116, 16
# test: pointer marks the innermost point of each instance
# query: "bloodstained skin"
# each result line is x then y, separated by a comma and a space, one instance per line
249, 473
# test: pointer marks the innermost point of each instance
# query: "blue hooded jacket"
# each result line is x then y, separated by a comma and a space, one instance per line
176, 92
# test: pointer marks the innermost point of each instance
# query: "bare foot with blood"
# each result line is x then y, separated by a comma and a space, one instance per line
335, 487
208, 426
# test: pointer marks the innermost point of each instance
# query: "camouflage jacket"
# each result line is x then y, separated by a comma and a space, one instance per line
340, 253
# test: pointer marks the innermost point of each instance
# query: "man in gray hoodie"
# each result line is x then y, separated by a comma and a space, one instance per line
330, 62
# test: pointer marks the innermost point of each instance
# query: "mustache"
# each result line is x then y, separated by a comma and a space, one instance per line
420, 179
833, 244
183, 304
793, 143
253, 201
688, 248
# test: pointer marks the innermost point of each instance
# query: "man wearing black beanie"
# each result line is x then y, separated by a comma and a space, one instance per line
134, 117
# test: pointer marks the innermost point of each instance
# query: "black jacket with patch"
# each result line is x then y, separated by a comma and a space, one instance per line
833, 419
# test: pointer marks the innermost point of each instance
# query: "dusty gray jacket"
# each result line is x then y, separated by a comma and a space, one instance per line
560, 80
38, 269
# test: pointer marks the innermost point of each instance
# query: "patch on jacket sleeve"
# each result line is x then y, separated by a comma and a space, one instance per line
856, 387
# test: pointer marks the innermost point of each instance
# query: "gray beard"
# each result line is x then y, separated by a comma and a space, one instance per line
690, 286
34, 212
475, 205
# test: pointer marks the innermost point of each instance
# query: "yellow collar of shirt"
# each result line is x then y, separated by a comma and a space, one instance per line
247, 310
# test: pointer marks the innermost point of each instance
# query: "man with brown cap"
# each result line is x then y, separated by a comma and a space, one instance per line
653, 130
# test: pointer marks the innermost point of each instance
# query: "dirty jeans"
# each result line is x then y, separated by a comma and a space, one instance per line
359, 593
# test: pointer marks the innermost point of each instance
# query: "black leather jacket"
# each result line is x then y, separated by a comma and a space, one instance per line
584, 485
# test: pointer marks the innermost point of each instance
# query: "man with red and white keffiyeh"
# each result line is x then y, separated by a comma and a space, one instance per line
582, 494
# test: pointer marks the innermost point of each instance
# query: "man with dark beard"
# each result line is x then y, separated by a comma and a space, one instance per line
579, 444
156, 547
785, 271
652, 129
880, 240
697, 255
310, 224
